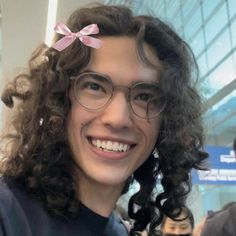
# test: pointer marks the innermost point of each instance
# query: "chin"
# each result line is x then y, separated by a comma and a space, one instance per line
111, 180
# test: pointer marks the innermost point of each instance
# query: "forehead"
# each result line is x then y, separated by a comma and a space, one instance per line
119, 56
170, 221
186, 221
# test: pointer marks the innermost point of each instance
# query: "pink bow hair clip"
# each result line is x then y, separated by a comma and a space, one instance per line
82, 35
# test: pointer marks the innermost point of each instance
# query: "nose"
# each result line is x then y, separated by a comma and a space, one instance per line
177, 231
117, 114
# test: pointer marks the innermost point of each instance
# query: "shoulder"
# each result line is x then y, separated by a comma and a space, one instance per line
10, 216
222, 222
13, 217
7, 198
116, 227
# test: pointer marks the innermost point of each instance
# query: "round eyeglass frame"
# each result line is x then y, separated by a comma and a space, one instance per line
76, 78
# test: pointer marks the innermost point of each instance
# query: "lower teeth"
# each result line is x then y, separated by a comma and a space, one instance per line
107, 150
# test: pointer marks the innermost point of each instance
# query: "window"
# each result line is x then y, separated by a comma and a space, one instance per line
216, 23
223, 74
197, 43
219, 49
209, 7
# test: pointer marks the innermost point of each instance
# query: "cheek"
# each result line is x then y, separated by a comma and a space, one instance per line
74, 119
78, 114
75, 122
72, 128
78, 120
151, 131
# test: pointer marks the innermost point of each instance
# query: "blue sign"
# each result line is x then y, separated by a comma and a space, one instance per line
222, 167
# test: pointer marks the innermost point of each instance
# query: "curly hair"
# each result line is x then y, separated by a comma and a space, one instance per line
40, 159
187, 214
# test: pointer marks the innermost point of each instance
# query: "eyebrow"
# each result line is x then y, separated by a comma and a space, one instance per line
88, 71
181, 224
132, 84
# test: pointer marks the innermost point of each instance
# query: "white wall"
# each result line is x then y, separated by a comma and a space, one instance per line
23, 28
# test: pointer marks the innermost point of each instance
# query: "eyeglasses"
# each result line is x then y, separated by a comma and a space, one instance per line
94, 91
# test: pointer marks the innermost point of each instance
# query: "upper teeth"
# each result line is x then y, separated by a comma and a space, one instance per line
111, 146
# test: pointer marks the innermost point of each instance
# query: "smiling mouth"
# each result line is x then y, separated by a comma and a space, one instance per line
110, 146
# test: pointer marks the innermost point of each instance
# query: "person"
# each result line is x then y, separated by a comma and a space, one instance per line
123, 216
199, 227
113, 101
221, 222
183, 224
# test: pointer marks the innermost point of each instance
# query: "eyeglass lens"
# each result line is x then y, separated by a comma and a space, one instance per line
94, 91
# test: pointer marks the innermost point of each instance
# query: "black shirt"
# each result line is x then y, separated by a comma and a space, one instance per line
20, 215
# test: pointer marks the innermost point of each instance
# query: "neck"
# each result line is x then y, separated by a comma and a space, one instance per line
98, 197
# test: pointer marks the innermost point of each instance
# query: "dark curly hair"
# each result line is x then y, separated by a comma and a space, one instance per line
40, 160
187, 214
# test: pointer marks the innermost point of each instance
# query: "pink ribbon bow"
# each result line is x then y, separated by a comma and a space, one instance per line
70, 37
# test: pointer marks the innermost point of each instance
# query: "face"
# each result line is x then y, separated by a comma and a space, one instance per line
172, 227
95, 135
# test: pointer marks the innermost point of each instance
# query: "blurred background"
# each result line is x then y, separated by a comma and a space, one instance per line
208, 26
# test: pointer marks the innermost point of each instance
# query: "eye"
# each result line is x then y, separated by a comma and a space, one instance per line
145, 97
184, 227
92, 90
93, 86
144, 93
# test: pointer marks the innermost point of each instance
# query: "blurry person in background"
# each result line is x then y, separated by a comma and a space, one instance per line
219, 223
182, 225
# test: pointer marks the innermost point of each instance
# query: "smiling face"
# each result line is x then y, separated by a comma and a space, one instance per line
109, 144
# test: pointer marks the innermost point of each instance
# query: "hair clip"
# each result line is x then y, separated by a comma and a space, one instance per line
82, 35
